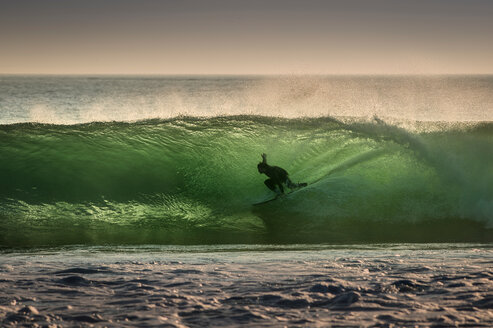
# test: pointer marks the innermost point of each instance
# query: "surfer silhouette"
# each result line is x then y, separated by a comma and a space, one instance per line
277, 176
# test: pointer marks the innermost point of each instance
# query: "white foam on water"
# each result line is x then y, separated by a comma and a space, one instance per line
236, 285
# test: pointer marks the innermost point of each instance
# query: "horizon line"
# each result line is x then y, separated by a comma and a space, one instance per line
245, 74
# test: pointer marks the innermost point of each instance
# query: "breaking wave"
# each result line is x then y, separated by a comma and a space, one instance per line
193, 180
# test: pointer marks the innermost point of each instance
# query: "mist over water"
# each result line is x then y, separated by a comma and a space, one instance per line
73, 100
128, 160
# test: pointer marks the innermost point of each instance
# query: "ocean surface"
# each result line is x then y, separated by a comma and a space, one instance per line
392, 285
129, 200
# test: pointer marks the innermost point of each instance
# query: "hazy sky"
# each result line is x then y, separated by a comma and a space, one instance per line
246, 37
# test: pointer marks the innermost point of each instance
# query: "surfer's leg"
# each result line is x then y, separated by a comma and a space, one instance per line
270, 184
290, 184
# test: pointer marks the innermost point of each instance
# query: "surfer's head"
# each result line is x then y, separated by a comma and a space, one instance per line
262, 167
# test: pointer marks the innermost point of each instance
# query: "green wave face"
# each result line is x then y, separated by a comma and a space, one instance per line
190, 180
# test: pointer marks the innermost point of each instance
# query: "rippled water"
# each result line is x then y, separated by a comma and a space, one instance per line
298, 285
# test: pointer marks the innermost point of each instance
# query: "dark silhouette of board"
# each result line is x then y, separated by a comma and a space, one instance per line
279, 196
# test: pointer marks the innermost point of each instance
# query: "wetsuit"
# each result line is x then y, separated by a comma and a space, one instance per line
278, 176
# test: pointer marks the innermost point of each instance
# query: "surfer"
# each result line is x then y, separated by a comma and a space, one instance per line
278, 176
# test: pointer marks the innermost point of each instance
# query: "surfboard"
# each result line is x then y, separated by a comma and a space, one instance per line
281, 196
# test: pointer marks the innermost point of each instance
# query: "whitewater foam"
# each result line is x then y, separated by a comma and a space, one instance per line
196, 286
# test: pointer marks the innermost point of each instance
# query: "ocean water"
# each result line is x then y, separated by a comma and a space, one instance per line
133, 197
392, 285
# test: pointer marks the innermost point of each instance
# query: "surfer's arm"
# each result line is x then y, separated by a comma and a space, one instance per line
264, 158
